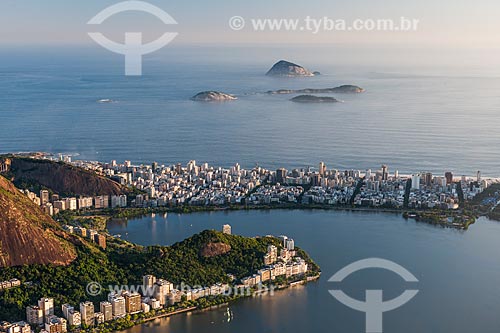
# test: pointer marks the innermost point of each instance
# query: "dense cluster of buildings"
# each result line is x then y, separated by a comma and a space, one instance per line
17, 327
204, 185
92, 235
155, 294
42, 316
269, 194
53, 204
283, 264
422, 190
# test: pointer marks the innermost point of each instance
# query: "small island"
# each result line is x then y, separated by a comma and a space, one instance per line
313, 99
213, 96
344, 89
285, 68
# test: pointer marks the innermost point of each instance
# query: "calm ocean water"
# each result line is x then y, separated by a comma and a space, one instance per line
458, 272
412, 117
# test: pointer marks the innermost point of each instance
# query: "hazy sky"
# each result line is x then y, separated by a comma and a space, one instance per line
462, 23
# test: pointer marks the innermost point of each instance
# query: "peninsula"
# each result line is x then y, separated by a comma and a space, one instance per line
87, 280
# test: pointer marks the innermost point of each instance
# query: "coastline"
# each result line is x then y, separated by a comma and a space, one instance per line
193, 309
417, 214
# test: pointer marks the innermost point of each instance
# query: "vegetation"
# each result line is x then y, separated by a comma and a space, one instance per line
461, 219
62, 178
124, 263
485, 202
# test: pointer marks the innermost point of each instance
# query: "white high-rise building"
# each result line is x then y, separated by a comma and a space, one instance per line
44, 197
107, 310
66, 308
322, 168
283, 239
118, 306
47, 306
148, 281
71, 203
87, 313
34, 315
74, 318
415, 182
161, 290
226, 228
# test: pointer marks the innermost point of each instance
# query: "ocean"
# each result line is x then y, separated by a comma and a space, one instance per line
413, 117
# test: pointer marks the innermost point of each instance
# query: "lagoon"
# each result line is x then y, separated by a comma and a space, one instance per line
458, 271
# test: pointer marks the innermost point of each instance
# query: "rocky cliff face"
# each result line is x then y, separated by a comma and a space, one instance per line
288, 69
61, 178
27, 235
214, 249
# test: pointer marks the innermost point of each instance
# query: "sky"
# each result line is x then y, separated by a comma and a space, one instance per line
453, 23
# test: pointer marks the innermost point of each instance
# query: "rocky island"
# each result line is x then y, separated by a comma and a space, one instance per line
213, 96
285, 68
345, 89
313, 99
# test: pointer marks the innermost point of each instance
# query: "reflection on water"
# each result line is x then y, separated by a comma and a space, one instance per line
457, 270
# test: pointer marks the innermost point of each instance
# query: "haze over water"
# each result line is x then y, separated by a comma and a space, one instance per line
415, 115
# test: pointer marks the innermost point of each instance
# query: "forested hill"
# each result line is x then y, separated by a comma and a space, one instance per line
59, 177
201, 260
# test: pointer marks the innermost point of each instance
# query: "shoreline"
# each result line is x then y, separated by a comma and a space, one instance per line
52, 155
420, 215
195, 309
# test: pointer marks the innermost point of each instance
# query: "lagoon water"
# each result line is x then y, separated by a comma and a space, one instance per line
458, 272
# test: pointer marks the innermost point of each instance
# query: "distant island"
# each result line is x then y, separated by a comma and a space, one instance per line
313, 99
344, 89
213, 96
285, 68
